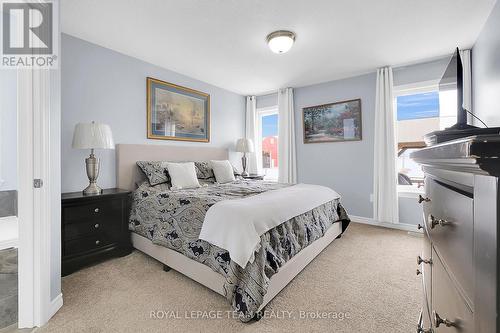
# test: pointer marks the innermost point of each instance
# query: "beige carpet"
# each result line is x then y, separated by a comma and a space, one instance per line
368, 276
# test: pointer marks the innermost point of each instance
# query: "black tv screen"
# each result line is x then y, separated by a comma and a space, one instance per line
452, 83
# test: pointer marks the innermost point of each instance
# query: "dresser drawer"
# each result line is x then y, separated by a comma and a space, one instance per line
91, 211
449, 221
89, 243
447, 303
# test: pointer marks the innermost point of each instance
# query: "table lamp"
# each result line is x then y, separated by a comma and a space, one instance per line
244, 146
92, 136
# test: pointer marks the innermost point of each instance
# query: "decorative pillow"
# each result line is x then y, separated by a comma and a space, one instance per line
182, 175
223, 171
155, 171
204, 170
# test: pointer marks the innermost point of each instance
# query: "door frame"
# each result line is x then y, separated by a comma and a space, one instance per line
35, 212
39, 252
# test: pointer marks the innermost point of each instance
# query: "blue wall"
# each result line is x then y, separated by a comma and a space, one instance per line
486, 71
106, 86
266, 101
346, 167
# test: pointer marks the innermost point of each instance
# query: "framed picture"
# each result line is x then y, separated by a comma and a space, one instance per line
177, 113
334, 122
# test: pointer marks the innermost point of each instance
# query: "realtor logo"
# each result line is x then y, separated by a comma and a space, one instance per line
27, 28
28, 33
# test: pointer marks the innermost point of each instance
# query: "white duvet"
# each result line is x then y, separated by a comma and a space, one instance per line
236, 225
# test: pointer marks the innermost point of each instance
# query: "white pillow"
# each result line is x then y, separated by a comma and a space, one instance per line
223, 171
183, 175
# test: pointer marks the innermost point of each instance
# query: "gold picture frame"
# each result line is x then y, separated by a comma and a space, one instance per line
177, 113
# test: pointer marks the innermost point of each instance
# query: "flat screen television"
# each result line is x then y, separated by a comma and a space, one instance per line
452, 83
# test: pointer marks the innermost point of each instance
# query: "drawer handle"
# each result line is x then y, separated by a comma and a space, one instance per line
435, 222
419, 271
96, 225
438, 321
422, 199
97, 242
96, 210
419, 226
425, 261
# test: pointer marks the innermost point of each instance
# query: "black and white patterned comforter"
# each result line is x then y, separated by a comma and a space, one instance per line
173, 218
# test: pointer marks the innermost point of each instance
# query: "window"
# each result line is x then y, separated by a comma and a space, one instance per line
267, 145
420, 109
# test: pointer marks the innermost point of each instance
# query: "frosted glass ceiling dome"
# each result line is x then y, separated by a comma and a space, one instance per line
280, 41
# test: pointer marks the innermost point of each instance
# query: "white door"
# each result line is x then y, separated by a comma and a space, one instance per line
39, 196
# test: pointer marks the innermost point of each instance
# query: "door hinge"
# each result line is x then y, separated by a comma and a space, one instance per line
37, 183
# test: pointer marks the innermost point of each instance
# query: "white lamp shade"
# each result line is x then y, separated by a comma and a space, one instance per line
244, 146
92, 136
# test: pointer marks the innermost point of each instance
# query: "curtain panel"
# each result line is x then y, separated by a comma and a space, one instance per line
385, 196
251, 133
287, 156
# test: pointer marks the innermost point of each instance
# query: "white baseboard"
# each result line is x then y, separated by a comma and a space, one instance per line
55, 305
399, 226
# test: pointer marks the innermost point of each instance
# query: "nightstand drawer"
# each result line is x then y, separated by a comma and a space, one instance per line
92, 211
82, 245
79, 230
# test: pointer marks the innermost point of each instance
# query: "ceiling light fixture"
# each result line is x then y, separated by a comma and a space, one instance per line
280, 41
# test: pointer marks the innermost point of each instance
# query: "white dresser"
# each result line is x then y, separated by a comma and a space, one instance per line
459, 261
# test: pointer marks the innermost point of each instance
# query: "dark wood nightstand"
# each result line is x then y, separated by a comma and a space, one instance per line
94, 228
254, 176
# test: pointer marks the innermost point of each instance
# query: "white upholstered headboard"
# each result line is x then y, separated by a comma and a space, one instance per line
128, 173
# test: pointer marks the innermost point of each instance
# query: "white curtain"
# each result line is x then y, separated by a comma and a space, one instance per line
467, 78
385, 197
287, 160
251, 133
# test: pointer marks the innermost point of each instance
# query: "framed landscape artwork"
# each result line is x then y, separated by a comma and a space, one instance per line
177, 113
334, 122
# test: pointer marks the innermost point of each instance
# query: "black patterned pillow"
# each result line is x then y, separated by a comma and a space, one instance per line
156, 171
204, 170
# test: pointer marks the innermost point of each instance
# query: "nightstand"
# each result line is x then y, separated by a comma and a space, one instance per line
254, 176
94, 228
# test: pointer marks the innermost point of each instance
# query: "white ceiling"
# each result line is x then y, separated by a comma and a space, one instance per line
222, 42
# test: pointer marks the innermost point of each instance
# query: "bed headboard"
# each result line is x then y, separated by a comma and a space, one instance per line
128, 173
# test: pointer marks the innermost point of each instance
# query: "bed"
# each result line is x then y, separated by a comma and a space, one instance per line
166, 224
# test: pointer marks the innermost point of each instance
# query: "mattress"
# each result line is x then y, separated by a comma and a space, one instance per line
173, 219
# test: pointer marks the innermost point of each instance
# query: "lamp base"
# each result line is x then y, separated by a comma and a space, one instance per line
92, 167
92, 189
244, 165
